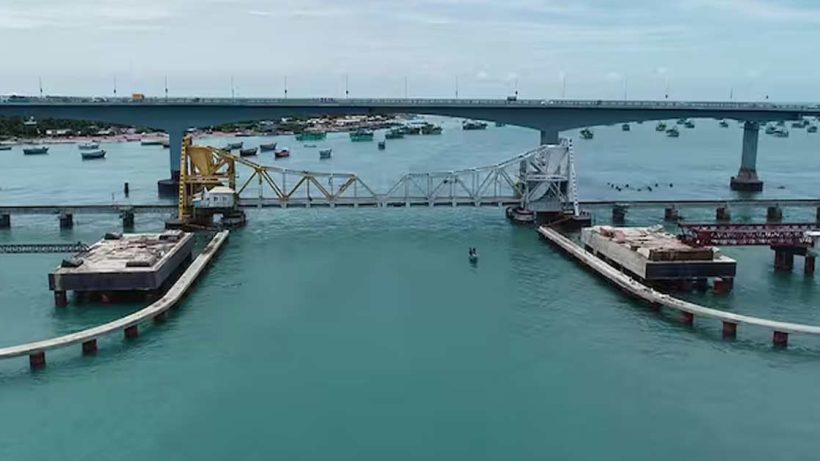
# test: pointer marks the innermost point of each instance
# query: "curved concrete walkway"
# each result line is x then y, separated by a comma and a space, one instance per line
780, 330
128, 324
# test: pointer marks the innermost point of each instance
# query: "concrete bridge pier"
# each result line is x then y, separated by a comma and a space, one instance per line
66, 220
5, 220
170, 187
127, 219
549, 136
746, 179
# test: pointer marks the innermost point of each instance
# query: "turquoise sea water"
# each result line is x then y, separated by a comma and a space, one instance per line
365, 334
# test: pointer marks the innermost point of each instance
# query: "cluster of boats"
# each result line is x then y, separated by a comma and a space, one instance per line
278, 153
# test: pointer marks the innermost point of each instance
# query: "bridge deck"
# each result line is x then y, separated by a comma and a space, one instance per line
301, 202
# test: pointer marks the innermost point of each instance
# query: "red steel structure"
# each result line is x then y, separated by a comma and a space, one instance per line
773, 235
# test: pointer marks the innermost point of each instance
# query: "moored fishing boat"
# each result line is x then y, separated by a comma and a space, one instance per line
470, 125
151, 142
661, 126
626, 127
673, 132
310, 135
267, 147
36, 150
93, 155
5, 147
234, 145
325, 154
382, 145
89, 146
248, 152
395, 133
724, 124
361, 135
586, 133
282, 153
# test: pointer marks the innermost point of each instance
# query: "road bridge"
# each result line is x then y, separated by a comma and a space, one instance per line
549, 117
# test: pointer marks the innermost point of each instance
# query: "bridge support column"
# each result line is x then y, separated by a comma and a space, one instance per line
549, 136
746, 179
723, 214
671, 214
37, 360
618, 214
808, 264
723, 285
90, 347
170, 187
66, 220
5, 220
783, 260
729, 330
780, 339
774, 214
132, 332
127, 219
60, 298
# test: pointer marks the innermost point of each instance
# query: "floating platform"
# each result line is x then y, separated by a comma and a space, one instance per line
123, 263
656, 257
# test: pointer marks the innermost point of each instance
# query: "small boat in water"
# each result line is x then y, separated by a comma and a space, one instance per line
361, 135
310, 146
5, 147
473, 125
689, 124
325, 154
151, 142
681, 121
781, 133
309, 135
724, 124
472, 256
395, 133
283, 153
586, 133
249, 152
770, 129
38, 150
810, 129
673, 132
382, 145
267, 147
89, 146
166, 144
626, 127
233, 145
429, 128
660, 126
93, 155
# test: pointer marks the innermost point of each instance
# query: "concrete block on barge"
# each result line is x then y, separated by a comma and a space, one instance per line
123, 264
656, 257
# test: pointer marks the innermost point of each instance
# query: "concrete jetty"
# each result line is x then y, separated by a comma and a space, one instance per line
122, 263
129, 325
688, 311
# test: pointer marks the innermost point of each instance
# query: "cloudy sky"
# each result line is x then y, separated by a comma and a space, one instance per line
700, 49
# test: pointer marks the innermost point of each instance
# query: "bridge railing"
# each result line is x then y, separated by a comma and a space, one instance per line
421, 102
